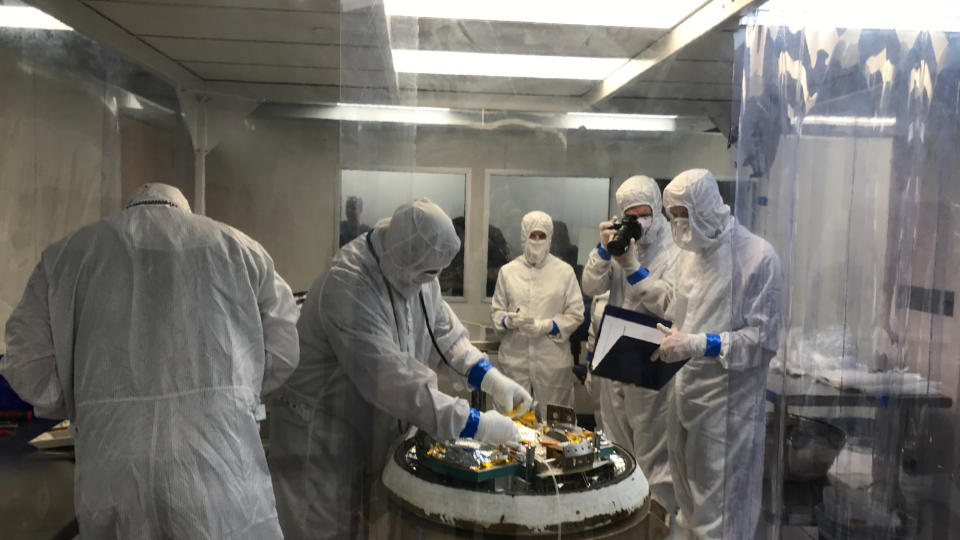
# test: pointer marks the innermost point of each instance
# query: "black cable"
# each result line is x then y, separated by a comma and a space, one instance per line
423, 307
393, 308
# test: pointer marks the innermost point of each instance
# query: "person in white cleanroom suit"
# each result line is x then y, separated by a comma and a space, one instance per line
725, 306
633, 416
372, 330
156, 332
537, 302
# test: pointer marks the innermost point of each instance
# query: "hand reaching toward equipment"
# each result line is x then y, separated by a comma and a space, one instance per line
495, 428
505, 391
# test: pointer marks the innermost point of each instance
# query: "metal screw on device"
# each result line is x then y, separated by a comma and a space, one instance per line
530, 462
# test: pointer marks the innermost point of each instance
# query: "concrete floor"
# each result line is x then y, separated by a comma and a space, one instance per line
37, 497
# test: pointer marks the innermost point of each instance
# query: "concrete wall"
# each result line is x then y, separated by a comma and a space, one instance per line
278, 179
151, 153
69, 157
59, 164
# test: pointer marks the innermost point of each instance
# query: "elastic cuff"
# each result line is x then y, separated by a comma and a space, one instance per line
473, 420
503, 322
556, 329
478, 371
638, 276
713, 345
604, 254
590, 358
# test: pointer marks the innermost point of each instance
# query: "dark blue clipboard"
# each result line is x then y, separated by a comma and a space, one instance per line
628, 361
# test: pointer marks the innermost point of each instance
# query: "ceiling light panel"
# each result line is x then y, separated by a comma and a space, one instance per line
28, 18
617, 13
504, 65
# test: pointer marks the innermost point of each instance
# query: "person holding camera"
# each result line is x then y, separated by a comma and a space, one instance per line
724, 303
635, 247
537, 302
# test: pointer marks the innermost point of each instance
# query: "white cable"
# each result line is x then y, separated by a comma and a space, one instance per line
556, 488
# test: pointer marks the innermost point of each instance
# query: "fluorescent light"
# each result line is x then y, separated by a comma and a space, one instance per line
620, 122
393, 107
399, 114
619, 13
131, 102
930, 15
850, 121
504, 65
28, 17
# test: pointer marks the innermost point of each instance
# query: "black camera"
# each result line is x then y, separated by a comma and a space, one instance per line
627, 227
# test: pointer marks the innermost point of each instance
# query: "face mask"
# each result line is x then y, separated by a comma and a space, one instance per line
425, 277
646, 222
682, 235
534, 251
689, 238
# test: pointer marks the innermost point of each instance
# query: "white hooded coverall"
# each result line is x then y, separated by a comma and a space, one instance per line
156, 332
633, 416
366, 369
728, 290
541, 286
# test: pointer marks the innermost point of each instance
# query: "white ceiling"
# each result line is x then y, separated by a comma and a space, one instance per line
311, 50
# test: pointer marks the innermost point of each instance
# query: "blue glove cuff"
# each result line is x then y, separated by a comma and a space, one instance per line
556, 329
590, 359
604, 254
503, 321
713, 345
478, 371
473, 420
638, 276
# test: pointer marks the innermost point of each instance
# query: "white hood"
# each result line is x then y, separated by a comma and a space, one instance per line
418, 238
535, 251
697, 190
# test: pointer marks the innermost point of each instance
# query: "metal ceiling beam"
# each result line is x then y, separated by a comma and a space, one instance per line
281, 93
709, 16
89, 22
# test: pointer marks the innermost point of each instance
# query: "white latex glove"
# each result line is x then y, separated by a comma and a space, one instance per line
629, 261
506, 392
537, 328
495, 428
677, 346
512, 321
607, 231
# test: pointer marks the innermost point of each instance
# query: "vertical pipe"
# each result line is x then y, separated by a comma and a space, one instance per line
200, 160
200, 182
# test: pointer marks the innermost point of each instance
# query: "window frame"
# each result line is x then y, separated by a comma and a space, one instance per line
488, 174
467, 210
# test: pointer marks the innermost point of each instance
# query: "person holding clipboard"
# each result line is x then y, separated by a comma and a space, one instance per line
724, 302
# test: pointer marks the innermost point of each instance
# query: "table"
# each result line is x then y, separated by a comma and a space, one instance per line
784, 391
37, 500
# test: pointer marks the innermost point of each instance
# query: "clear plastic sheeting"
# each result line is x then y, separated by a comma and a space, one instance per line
848, 149
82, 127
831, 128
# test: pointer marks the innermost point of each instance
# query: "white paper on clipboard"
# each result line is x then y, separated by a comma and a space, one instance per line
613, 328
